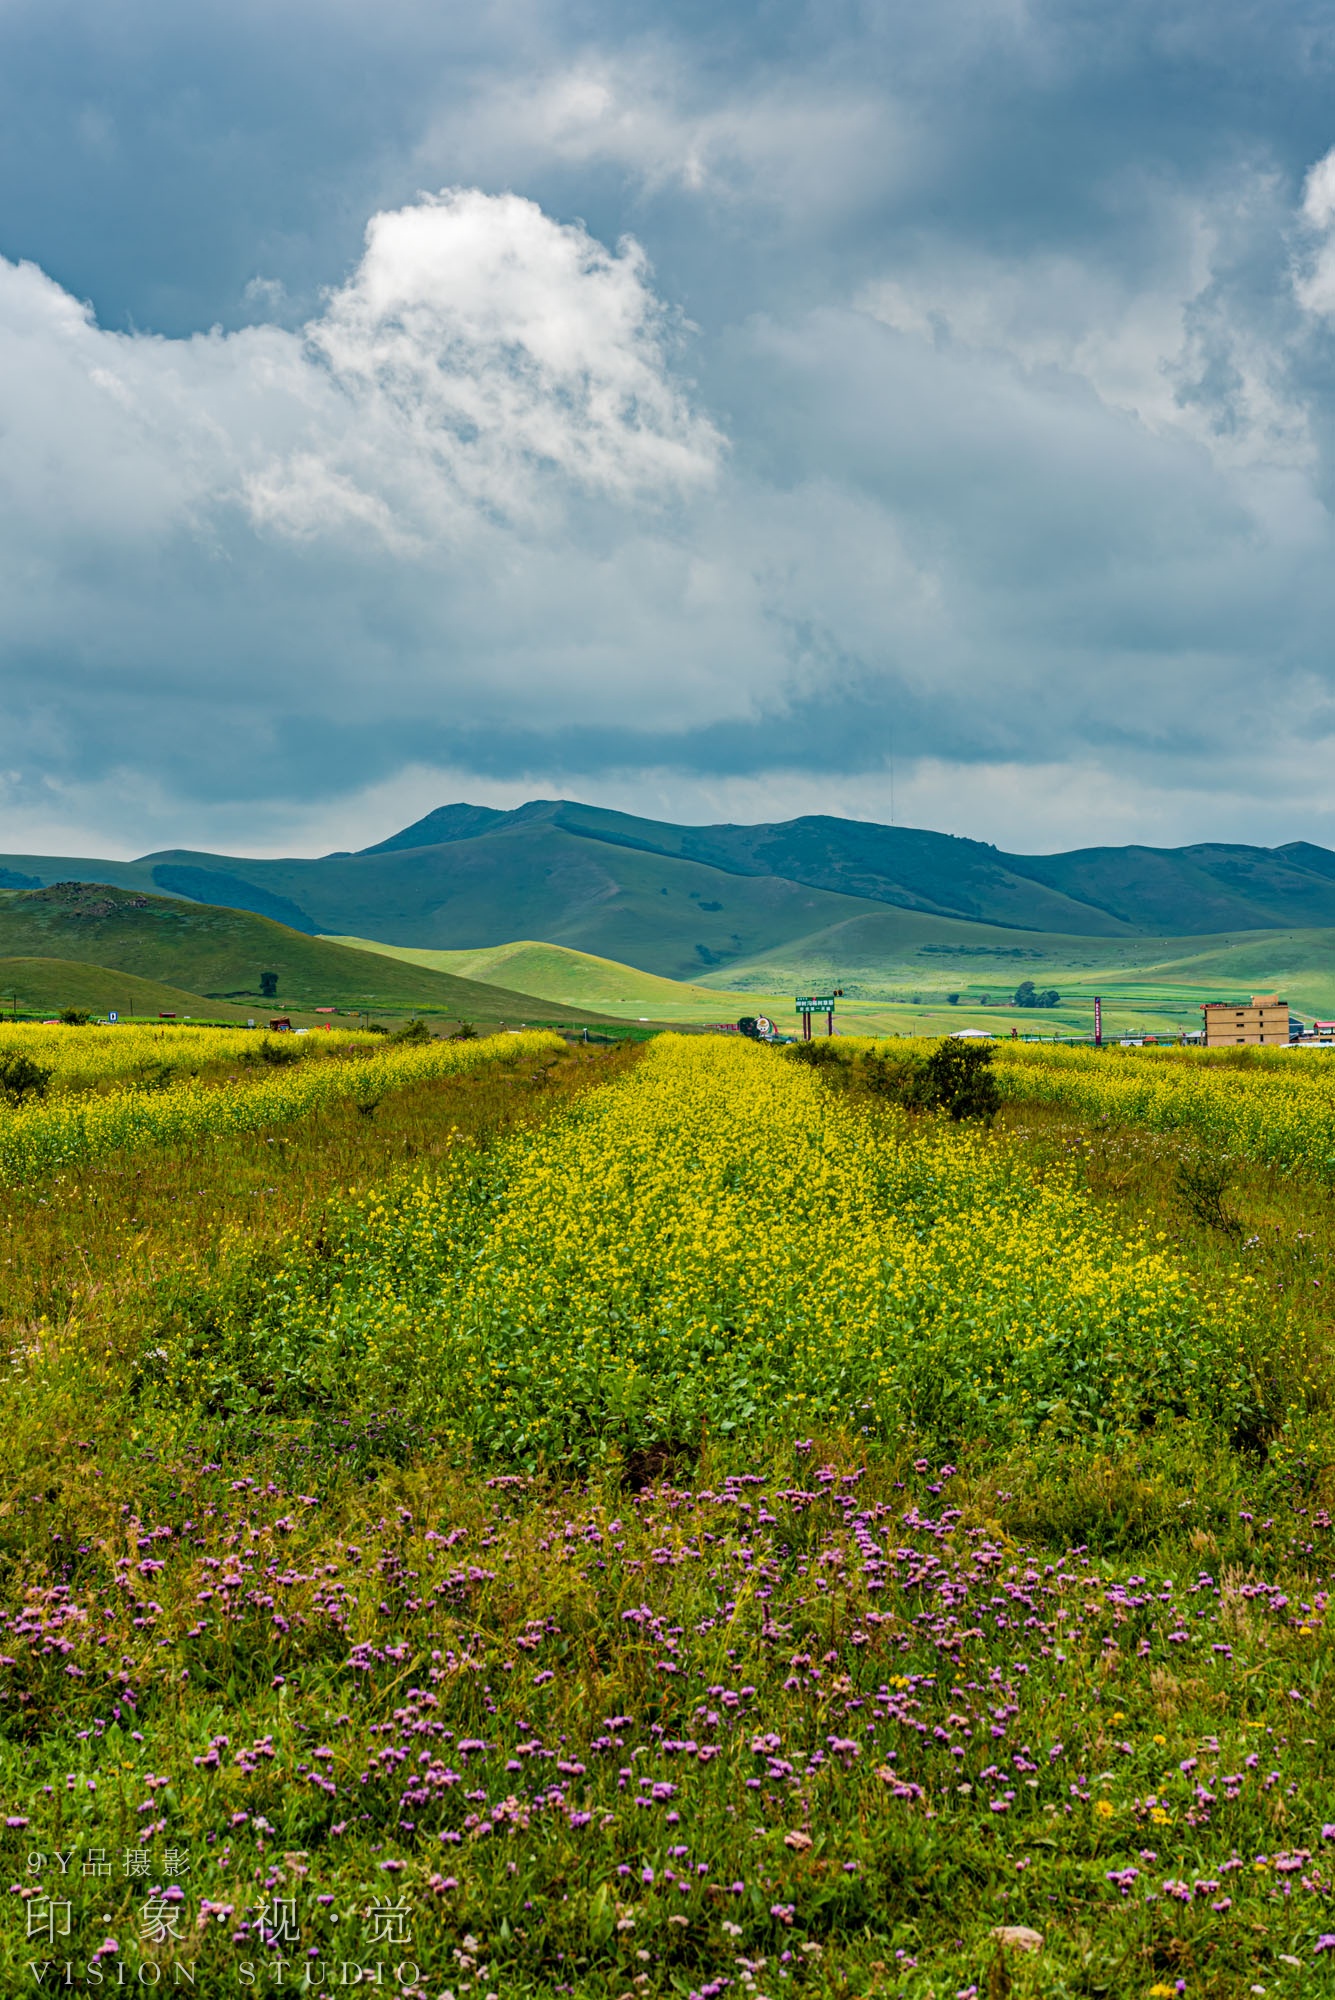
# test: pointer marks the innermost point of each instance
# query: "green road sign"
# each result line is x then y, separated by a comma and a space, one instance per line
819, 1003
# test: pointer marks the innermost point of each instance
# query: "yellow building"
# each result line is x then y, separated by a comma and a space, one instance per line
1265, 1021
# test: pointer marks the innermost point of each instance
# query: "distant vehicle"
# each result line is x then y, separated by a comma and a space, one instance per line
971, 1035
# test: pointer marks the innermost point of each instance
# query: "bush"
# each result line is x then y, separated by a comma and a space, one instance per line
278, 1054
957, 1077
896, 1075
465, 1032
819, 1054
1028, 995
1200, 1183
22, 1078
413, 1031
74, 1017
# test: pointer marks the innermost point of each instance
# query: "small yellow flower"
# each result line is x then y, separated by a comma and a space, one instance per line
1103, 1809
1159, 1817
1161, 1740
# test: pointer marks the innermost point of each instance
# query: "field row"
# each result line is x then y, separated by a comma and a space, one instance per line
656, 1523
1276, 1108
721, 1245
69, 1131
145, 1055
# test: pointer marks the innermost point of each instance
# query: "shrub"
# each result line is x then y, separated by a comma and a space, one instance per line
896, 1075
413, 1031
1201, 1182
824, 1054
21, 1078
278, 1054
957, 1077
74, 1017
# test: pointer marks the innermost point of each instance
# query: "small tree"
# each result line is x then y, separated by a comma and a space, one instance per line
268, 986
412, 1031
465, 1032
74, 1017
21, 1077
957, 1077
952, 999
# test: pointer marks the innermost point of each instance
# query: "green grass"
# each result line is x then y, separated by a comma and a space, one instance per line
42, 986
558, 974
219, 954
333, 1668
897, 966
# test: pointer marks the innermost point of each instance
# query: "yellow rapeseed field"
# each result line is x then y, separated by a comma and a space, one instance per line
67, 1130
719, 1242
87, 1057
1277, 1107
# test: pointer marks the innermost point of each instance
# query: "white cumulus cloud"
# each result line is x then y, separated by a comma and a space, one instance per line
479, 351
482, 360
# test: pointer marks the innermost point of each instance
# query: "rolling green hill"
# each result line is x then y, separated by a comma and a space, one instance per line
220, 953
688, 903
45, 985
556, 973
897, 966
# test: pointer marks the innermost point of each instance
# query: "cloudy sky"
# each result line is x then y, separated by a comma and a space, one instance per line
908, 411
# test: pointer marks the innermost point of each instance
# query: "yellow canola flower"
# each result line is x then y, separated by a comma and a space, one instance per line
1272, 1105
61, 1131
718, 1242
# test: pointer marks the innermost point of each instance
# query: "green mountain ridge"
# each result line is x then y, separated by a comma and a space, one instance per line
698, 902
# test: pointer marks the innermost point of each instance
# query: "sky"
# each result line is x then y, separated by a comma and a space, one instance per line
716, 412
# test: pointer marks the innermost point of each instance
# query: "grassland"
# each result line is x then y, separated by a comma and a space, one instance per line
896, 968
216, 958
559, 975
46, 985
602, 1523
680, 898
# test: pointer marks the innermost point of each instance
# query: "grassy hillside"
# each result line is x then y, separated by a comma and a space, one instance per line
897, 966
45, 985
893, 961
554, 972
221, 953
730, 906
534, 880
1094, 892
685, 901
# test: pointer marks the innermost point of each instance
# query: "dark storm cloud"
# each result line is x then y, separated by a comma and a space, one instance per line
968, 403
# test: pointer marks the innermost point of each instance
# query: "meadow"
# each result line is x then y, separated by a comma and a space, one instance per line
897, 967
517, 1518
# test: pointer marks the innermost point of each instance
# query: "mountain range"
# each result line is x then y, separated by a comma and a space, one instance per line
683, 900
